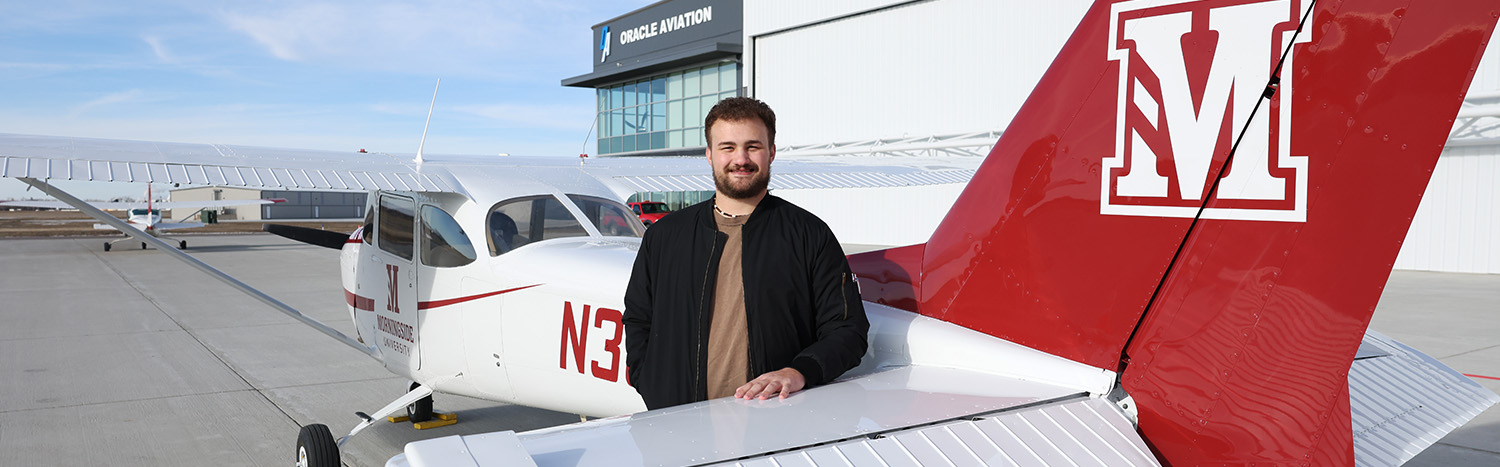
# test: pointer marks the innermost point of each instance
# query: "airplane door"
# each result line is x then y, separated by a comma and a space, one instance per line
390, 277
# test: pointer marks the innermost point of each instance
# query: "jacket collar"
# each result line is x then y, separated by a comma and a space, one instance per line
706, 211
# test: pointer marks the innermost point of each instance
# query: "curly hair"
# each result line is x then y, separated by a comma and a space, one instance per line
741, 109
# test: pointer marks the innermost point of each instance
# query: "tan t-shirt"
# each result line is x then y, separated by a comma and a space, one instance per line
728, 336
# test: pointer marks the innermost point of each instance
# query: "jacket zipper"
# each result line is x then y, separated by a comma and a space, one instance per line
698, 378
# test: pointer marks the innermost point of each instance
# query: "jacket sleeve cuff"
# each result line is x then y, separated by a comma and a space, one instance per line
812, 373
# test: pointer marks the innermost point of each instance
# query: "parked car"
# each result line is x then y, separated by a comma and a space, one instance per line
650, 211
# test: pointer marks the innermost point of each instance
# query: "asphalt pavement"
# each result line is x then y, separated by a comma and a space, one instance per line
131, 358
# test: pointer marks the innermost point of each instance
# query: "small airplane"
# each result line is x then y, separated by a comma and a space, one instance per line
1170, 257
146, 217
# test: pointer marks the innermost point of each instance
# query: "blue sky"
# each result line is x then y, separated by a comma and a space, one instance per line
334, 75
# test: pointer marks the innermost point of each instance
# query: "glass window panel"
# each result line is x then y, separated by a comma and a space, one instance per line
726, 95
658, 140
690, 112
616, 144
617, 123
444, 243
710, 81
698, 138
397, 219
630, 123
643, 92
610, 217
674, 115
629, 94
674, 86
642, 142
690, 83
658, 89
659, 116
728, 77
616, 97
603, 122
629, 143
603, 99
674, 139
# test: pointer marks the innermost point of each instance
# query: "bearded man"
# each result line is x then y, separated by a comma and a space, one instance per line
744, 295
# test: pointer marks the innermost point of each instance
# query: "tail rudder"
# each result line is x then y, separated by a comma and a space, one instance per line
1208, 200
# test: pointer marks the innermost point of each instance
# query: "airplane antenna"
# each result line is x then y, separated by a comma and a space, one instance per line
429, 121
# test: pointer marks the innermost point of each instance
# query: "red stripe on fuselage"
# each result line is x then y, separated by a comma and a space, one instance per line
439, 303
358, 302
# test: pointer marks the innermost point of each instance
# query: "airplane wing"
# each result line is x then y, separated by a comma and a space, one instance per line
72, 158
917, 398
119, 205
915, 415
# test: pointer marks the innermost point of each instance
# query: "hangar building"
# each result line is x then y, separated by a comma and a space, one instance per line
920, 80
299, 205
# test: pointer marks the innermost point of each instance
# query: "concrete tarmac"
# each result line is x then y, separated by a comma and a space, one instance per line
132, 358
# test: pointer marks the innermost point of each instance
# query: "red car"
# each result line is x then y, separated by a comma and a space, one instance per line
650, 211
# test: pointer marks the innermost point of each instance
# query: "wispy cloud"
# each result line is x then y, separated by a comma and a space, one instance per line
159, 49
114, 98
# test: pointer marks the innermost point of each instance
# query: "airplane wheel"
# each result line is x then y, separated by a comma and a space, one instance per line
316, 447
421, 410
182, 245
143, 245
106, 246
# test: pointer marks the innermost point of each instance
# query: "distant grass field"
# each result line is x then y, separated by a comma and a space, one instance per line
77, 224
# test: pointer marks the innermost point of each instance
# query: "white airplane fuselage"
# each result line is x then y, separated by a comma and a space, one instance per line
540, 325
481, 329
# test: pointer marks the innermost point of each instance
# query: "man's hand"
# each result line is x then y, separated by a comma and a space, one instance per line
784, 382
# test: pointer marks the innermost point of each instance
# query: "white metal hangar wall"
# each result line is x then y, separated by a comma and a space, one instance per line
1457, 228
849, 76
891, 73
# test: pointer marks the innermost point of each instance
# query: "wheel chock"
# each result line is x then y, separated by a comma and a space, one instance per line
438, 419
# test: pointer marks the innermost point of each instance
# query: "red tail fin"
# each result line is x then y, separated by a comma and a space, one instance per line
1149, 202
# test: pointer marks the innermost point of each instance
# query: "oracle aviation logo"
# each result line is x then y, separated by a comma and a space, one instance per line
1175, 112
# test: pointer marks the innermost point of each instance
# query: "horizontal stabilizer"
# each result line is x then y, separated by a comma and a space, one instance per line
916, 414
1403, 401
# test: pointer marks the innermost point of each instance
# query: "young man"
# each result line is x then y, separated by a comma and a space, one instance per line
744, 295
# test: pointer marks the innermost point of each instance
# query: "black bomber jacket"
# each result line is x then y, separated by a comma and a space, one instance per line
802, 306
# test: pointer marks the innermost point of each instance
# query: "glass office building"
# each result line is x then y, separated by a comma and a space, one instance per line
658, 70
664, 111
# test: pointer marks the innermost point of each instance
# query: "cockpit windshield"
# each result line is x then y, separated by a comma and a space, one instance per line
142, 212
516, 222
612, 218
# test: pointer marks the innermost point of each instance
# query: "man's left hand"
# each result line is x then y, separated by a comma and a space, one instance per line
784, 382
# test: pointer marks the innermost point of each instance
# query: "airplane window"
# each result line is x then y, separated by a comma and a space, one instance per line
137, 212
612, 218
396, 226
517, 222
444, 243
369, 232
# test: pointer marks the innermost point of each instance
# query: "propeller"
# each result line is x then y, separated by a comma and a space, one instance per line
323, 238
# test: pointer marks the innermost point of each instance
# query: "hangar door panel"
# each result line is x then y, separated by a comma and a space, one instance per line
931, 68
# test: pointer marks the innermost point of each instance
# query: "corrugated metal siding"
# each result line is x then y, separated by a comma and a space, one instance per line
1458, 224
1087, 432
934, 67
1406, 401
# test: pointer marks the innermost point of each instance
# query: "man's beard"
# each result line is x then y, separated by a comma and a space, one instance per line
760, 178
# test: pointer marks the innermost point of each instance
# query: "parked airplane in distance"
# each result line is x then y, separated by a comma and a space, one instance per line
146, 216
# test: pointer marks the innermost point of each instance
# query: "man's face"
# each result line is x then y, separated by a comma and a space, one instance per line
740, 153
